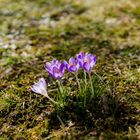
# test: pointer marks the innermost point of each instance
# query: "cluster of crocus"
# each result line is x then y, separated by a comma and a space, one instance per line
56, 69
83, 60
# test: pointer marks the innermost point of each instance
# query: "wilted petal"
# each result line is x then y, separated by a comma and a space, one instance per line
42, 82
35, 89
40, 87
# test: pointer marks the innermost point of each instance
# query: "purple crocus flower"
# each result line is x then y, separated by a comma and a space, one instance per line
86, 61
72, 65
80, 58
40, 87
55, 68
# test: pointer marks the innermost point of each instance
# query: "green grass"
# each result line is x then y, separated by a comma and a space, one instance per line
33, 32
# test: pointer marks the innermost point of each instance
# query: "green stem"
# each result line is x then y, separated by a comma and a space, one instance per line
60, 86
76, 75
85, 98
85, 77
51, 100
61, 94
92, 89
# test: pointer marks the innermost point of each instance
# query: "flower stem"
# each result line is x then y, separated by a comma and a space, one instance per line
61, 94
60, 86
76, 75
85, 96
51, 100
92, 89
46, 95
85, 77
85, 80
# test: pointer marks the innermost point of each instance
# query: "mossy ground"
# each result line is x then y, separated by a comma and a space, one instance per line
35, 31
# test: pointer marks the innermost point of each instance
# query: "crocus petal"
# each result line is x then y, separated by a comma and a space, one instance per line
86, 67
80, 55
62, 68
43, 82
35, 89
93, 61
66, 64
80, 59
77, 65
54, 61
81, 62
56, 75
72, 65
56, 72
72, 60
72, 69
47, 66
